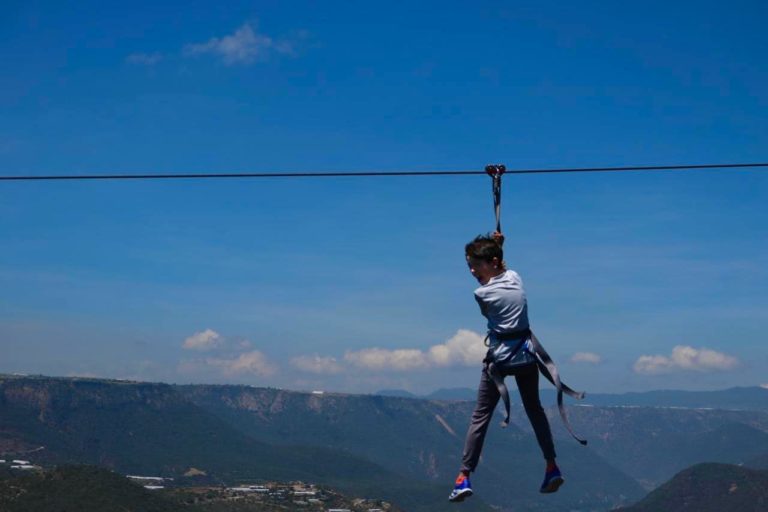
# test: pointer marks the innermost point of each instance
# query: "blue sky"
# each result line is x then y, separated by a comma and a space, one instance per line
635, 281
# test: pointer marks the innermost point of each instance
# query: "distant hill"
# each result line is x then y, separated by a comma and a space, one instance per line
81, 489
740, 398
453, 394
709, 488
396, 392
460, 394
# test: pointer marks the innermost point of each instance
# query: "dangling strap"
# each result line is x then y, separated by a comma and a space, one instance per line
549, 370
498, 379
495, 172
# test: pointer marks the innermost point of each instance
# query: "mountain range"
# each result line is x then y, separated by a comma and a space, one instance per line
419, 438
153, 429
404, 450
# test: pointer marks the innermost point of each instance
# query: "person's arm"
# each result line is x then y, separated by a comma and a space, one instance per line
499, 239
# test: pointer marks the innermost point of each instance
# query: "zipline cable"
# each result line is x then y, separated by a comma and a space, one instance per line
64, 177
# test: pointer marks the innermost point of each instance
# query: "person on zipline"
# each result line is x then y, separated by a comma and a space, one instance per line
502, 301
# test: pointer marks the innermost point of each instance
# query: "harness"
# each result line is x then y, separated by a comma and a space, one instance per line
496, 371
540, 356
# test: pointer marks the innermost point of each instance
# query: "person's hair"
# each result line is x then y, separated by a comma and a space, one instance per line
485, 248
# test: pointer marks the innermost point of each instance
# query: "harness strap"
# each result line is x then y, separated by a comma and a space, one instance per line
498, 379
547, 368
495, 172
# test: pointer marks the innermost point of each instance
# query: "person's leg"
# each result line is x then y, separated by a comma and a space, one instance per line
528, 384
487, 399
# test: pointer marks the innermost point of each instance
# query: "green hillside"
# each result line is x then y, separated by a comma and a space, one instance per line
79, 489
709, 488
93, 489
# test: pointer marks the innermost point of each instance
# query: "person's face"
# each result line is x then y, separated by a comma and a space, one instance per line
482, 270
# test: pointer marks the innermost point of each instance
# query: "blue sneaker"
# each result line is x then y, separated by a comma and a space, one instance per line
462, 489
552, 481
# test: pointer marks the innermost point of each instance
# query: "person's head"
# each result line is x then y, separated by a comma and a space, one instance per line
485, 258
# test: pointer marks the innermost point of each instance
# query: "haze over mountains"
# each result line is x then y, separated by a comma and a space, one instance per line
399, 449
754, 397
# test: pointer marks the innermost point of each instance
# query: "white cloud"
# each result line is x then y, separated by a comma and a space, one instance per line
242, 47
382, 359
464, 348
144, 59
253, 362
204, 340
685, 358
317, 364
586, 357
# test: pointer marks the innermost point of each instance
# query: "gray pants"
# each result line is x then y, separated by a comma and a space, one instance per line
527, 378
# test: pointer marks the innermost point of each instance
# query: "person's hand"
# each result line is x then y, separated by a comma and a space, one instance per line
498, 238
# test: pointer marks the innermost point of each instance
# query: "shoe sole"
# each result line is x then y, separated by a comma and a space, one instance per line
553, 485
464, 494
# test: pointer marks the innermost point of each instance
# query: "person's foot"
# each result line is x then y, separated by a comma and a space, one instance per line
462, 489
552, 480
